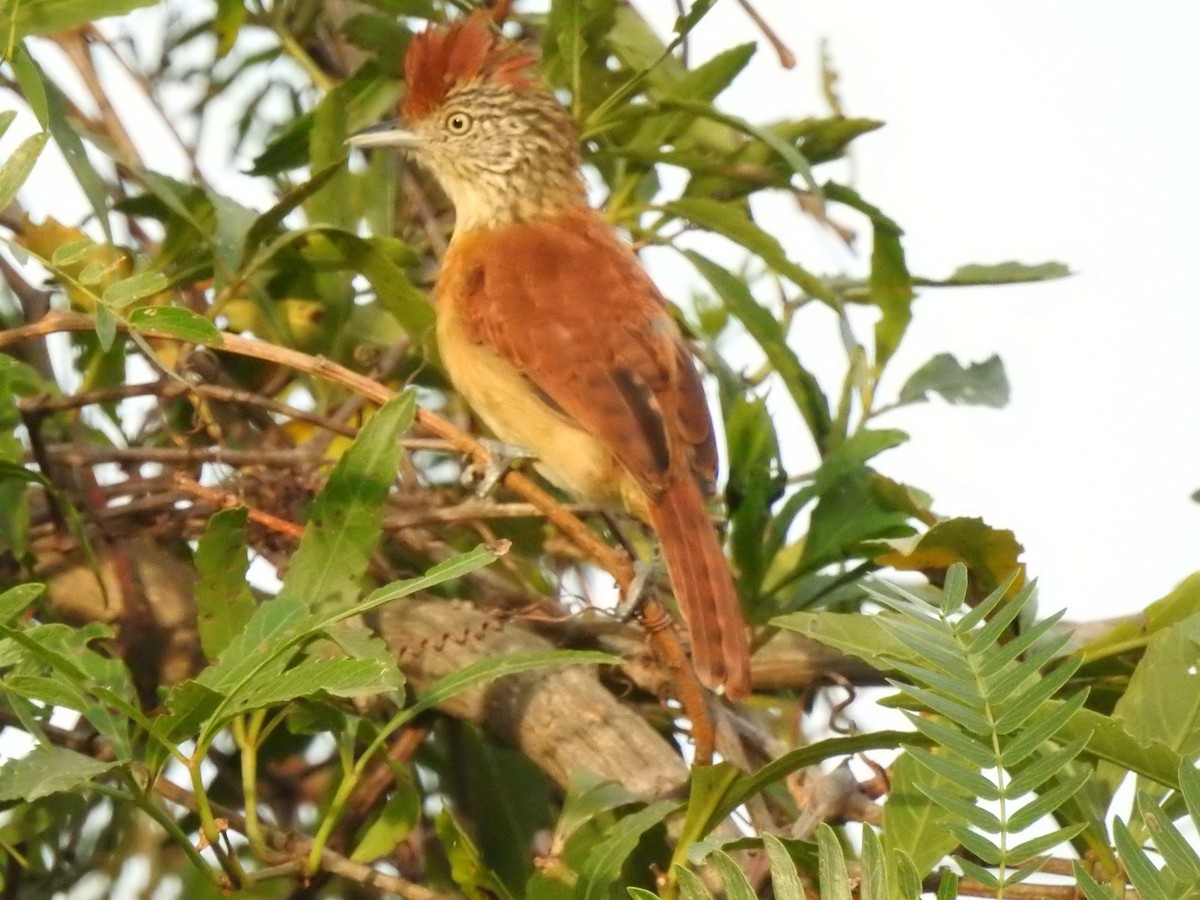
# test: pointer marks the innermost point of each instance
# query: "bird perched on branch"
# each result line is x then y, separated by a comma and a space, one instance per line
550, 328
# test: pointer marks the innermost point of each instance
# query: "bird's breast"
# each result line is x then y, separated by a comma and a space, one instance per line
518, 413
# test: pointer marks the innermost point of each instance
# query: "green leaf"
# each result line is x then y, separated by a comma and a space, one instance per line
733, 223
17, 599
690, 885
835, 883
269, 222
52, 109
18, 166
737, 886
467, 868
874, 885
1162, 701
948, 886
136, 287
106, 328
990, 554
602, 868
764, 328
891, 286
37, 17
48, 770
1086, 883
979, 384
784, 878
346, 520
176, 322
709, 788
846, 518
911, 824
231, 15
224, 603
1000, 273
1144, 877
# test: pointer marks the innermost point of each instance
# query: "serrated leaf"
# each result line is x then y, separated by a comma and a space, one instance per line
346, 520
978, 384
176, 322
224, 603
48, 770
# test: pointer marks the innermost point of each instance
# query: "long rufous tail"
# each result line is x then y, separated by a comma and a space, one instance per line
703, 586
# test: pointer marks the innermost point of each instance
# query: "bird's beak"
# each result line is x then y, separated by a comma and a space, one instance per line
386, 134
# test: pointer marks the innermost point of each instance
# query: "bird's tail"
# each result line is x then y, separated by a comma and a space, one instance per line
703, 586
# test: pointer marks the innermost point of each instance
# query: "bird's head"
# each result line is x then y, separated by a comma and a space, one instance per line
476, 116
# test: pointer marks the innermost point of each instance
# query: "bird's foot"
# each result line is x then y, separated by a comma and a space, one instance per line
645, 576
502, 457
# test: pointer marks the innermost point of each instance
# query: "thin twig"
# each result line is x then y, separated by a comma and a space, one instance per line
786, 58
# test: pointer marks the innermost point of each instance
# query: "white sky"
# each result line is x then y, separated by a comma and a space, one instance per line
1025, 131
1029, 131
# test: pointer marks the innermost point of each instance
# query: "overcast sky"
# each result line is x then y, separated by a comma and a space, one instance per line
1030, 131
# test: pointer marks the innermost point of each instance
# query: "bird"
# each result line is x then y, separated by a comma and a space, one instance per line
550, 328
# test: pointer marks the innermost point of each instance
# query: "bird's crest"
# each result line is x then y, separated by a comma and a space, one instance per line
466, 50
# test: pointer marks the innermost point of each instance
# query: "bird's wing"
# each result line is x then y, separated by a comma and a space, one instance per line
568, 305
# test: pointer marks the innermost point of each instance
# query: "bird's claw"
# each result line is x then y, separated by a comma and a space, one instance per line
501, 458
645, 574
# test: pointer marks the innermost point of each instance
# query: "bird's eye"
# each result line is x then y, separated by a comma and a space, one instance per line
458, 123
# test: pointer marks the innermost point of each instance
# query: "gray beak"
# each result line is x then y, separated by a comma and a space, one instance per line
386, 134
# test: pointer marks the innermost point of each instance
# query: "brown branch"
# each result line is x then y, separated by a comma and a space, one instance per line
226, 501
786, 58
76, 455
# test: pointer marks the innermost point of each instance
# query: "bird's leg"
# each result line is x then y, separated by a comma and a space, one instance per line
501, 457
646, 576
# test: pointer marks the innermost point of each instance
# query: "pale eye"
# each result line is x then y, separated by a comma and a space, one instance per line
459, 123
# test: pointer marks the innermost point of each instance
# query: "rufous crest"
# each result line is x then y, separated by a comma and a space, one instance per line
441, 58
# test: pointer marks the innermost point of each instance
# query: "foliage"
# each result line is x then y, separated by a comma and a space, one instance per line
239, 559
